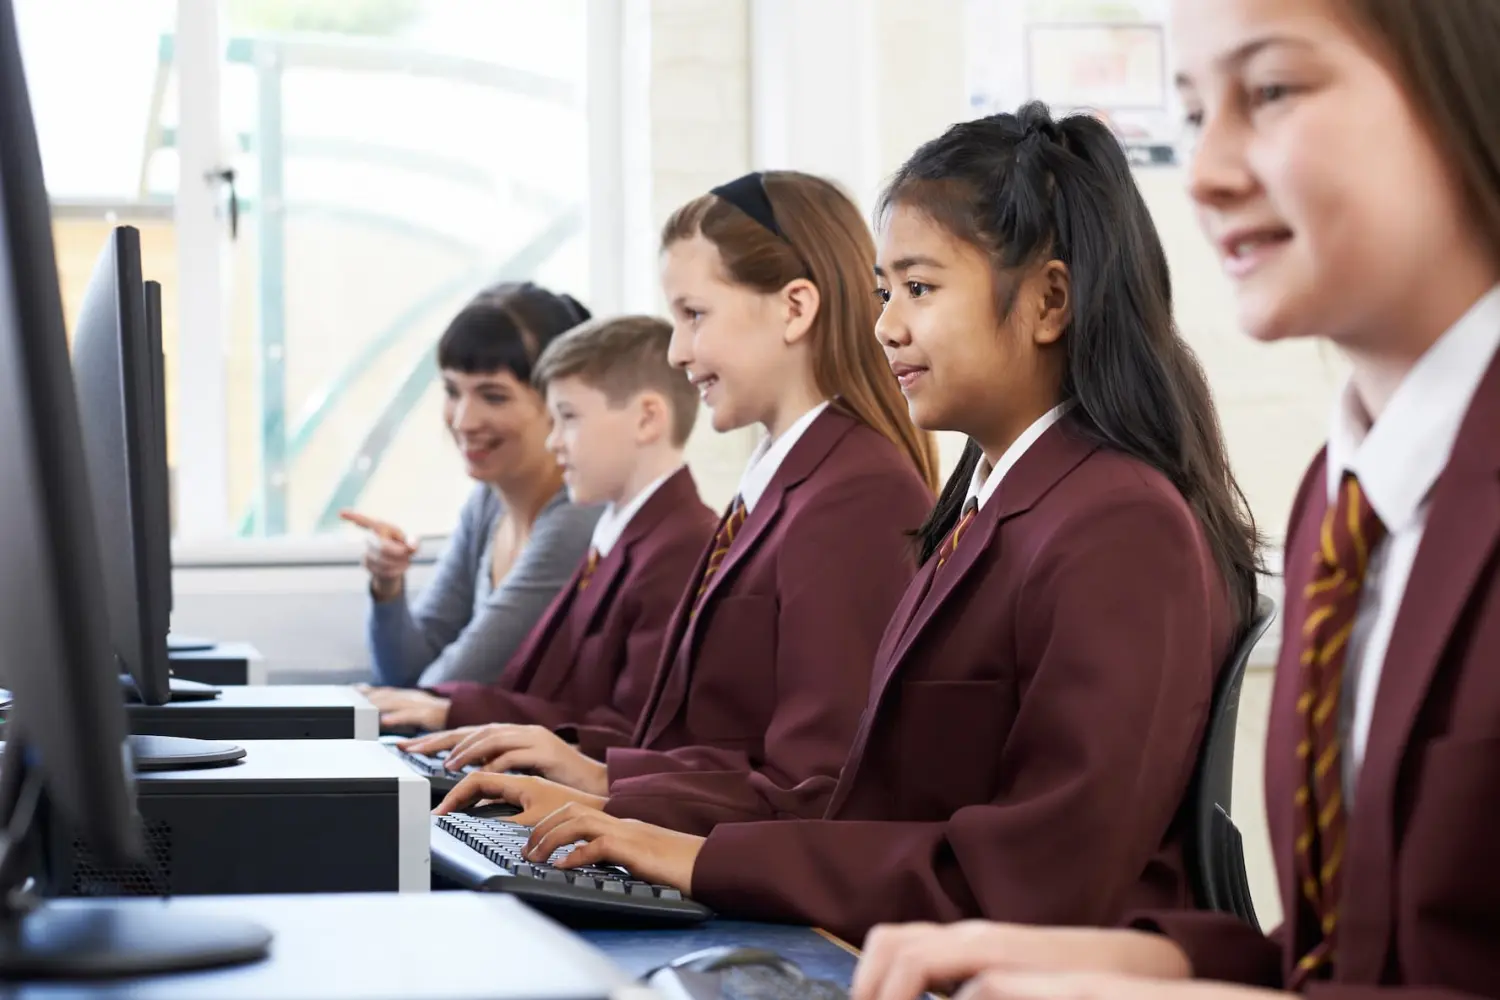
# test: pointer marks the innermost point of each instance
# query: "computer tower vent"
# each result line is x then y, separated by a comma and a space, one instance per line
154, 878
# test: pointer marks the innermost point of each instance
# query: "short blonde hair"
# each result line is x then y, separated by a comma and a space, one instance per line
621, 357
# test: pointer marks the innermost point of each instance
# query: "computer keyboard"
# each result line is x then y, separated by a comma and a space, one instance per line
484, 853
430, 766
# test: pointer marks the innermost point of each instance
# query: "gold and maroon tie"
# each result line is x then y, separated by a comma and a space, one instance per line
723, 539
950, 544
1351, 530
587, 575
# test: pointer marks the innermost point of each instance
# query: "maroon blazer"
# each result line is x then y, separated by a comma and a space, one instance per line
758, 695
1037, 709
1421, 907
586, 667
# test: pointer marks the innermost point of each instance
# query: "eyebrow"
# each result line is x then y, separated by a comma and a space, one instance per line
1247, 51
907, 263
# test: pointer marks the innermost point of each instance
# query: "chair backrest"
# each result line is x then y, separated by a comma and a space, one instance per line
1215, 857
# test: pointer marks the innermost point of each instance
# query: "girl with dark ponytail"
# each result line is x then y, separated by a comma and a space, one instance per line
1039, 696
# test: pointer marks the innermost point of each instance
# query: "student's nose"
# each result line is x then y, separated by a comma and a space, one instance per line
1219, 171
890, 327
678, 353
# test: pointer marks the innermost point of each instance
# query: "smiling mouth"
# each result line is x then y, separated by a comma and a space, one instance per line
908, 375
705, 383
1243, 253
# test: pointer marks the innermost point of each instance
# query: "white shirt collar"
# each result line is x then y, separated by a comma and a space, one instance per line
768, 458
612, 523
987, 480
1399, 459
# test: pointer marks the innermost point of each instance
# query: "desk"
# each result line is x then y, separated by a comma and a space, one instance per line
820, 956
375, 947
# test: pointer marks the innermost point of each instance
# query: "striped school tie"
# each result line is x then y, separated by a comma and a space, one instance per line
1351, 530
723, 539
588, 570
950, 544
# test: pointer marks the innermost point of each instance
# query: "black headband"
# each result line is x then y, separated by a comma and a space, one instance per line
748, 194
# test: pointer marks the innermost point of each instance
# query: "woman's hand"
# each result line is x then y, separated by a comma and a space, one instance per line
388, 555
902, 961
433, 742
401, 707
504, 747
650, 853
1103, 986
537, 797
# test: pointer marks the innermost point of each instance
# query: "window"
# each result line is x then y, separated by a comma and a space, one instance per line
382, 160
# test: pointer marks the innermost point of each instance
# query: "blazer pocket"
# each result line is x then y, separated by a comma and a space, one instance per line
949, 735
1447, 868
732, 689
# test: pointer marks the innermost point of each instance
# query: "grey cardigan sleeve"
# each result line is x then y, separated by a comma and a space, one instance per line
407, 636
559, 542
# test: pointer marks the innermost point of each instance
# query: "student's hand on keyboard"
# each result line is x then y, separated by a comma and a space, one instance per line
433, 742
504, 747
651, 853
537, 797
902, 961
1102, 986
400, 708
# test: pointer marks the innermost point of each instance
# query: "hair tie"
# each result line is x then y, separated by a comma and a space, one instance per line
748, 194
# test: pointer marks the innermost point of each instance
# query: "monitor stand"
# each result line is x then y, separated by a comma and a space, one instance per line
181, 689
175, 753
97, 940
188, 643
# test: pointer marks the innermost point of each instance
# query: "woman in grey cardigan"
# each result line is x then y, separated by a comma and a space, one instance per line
518, 539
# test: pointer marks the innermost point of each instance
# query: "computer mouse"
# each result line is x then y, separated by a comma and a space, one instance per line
728, 956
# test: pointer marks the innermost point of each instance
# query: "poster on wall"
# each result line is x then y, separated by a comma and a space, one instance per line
1104, 57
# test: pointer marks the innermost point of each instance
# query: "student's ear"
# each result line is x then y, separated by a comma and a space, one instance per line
800, 302
1054, 286
653, 418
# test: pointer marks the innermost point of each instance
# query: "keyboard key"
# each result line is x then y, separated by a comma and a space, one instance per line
666, 892
612, 886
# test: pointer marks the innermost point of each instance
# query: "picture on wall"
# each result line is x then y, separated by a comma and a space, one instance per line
1106, 59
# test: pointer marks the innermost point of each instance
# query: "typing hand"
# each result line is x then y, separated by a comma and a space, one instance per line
651, 853
433, 742
388, 554
902, 961
537, 797
1102, 986
399, 707
505, 747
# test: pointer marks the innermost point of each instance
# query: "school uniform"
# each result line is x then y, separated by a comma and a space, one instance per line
768, 658
586, 668
1038, 703
1407, 858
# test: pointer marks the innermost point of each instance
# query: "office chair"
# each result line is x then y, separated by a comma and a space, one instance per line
1215, 854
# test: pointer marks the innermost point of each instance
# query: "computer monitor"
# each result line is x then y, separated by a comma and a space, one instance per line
116, 364
175, 643
66, 748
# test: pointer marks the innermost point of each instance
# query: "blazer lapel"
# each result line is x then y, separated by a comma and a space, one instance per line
673, 679
1054, 455
1460, 536
522, 668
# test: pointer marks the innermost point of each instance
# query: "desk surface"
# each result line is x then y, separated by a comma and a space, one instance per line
376, 947
637, 952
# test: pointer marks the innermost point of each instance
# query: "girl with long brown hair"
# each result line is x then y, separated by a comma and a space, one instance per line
767, 663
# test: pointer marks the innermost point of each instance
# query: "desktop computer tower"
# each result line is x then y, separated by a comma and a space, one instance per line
264, 712
293, 816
